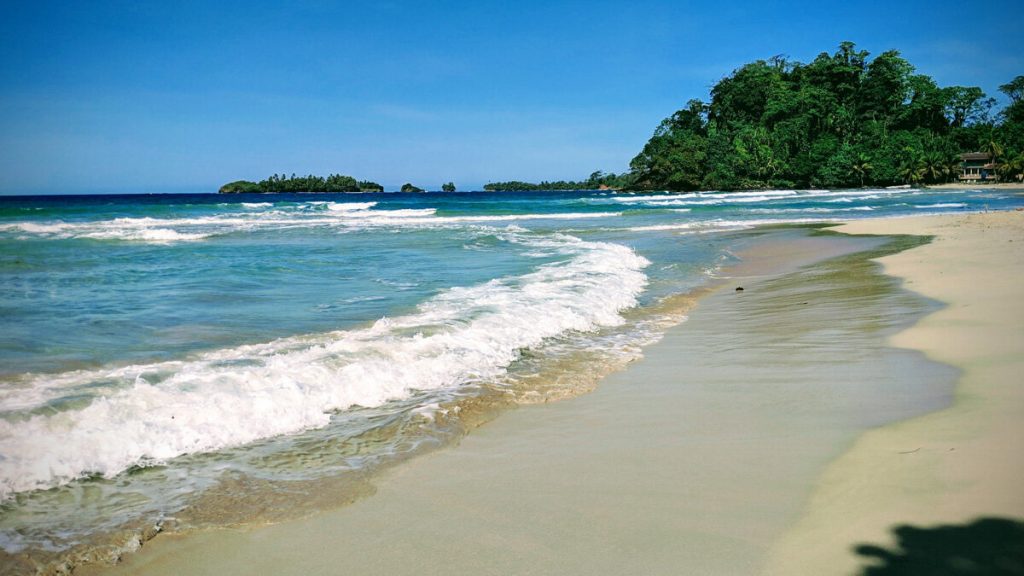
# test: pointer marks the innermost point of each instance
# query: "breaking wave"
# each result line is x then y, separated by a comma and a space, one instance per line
145, 414
343, 216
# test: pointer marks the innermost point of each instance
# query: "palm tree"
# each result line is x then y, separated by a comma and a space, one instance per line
934, 167
1011, 168
860, 167
953, 166
912, 174
912, 169
994, 149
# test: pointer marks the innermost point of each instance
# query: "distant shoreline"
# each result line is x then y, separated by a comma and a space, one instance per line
946, 186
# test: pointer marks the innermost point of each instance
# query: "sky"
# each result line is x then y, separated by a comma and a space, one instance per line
123, 97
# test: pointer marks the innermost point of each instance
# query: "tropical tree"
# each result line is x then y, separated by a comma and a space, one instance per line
953, 165
841, 120
912, 166
964, 104
1014, 89
861, 167
994, 149
1011, 168
935, 167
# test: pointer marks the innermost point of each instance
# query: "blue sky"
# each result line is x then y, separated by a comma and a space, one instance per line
182, 97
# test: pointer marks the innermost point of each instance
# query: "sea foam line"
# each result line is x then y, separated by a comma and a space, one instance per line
151, 413
343, 216
722, 225
755, 196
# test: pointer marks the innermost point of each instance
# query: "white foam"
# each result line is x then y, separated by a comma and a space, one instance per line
758, 196
943, 205
811, 210
392, 214
722, 224
344, 216
513, 217
707, 199
346, 206
148, 230
154, 412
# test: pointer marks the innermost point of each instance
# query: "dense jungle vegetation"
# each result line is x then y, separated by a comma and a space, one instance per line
843, 120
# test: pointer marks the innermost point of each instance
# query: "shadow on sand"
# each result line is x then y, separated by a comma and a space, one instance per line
986, 546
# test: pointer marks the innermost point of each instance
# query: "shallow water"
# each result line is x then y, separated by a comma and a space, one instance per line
163, 351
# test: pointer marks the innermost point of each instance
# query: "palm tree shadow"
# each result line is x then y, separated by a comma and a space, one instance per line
986, 546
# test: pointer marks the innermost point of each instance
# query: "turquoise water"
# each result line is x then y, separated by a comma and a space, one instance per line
153, 346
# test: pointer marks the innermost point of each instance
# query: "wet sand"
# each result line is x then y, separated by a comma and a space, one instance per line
950, 467
692, 460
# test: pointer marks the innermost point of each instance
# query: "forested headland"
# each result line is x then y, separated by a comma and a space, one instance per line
843, 120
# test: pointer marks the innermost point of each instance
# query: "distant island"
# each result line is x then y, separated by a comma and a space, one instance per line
841, 121
597, 181
277, 184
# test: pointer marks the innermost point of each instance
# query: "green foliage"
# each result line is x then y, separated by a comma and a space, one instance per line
368, 186
407, 187
240, 187
597, 181
842, 120
1014, 89
1011, 168
1014, 113
518, 186
281, 183
448, 187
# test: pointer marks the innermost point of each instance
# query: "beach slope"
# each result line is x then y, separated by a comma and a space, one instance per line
692, 460
951, 467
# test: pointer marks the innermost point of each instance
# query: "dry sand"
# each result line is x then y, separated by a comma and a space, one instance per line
978, 186
951, 466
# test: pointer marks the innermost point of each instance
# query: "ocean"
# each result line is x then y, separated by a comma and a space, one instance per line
186, 361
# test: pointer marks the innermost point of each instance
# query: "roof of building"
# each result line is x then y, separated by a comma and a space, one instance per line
975, 156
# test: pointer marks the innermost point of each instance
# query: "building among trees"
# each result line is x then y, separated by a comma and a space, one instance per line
977, 167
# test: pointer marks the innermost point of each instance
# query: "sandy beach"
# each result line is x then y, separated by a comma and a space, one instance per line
977, 186
709, 453
950, 467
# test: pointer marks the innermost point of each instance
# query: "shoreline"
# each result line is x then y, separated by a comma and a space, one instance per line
976, 186
648, 470
251, 502
947, 469
764, 469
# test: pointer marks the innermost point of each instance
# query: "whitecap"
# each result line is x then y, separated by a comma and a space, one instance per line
941, 205
150, 413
